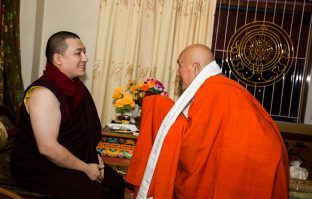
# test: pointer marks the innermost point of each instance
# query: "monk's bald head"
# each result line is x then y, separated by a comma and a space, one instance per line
191, 61
198, 53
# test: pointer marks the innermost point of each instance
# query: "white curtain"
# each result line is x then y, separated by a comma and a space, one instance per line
141, 39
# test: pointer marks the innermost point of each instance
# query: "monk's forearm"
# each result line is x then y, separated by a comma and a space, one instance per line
62, 157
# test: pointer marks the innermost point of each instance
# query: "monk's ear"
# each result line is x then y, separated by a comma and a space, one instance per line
197, 67
57, 59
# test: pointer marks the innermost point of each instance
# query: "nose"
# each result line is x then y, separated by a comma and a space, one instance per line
84, 57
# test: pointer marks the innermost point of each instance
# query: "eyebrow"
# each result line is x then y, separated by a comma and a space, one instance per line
80, 49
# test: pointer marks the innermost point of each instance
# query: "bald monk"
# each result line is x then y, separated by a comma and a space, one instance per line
216, 141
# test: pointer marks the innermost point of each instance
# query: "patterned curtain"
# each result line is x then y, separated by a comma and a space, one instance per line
142, 39
11, 85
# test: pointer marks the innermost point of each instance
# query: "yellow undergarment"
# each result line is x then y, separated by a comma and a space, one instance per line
28, 94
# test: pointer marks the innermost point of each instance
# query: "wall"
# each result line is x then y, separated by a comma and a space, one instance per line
41, 18
27, 30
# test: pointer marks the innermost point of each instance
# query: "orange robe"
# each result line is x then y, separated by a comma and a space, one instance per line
228, 147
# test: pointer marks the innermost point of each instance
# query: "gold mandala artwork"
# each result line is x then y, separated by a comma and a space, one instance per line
260, 53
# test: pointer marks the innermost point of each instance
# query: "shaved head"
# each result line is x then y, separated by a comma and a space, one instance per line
191, 61
199, 53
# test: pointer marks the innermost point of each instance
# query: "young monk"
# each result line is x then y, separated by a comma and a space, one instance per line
55, 147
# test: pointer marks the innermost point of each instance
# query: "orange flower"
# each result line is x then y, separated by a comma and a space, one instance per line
132, 104
117, 93
119, 103
127, 99
145, 87
151, 83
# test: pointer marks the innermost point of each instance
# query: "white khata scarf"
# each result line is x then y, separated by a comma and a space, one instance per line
182, 103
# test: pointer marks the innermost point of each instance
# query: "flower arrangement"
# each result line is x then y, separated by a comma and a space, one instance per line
125, 100
148, 87
122, 101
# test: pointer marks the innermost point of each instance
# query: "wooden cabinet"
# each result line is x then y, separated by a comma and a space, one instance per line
116, 148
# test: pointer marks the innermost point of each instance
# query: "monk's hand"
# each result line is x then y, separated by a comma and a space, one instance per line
93, 172
101, 176
101, 168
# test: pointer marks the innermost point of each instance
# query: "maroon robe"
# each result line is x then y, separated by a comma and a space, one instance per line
79, 133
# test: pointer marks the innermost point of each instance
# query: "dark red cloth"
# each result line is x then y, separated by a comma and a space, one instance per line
71, 88
12, 132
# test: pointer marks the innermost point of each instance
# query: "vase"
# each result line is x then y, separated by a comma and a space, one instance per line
136, 115
124, 118
136, 112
